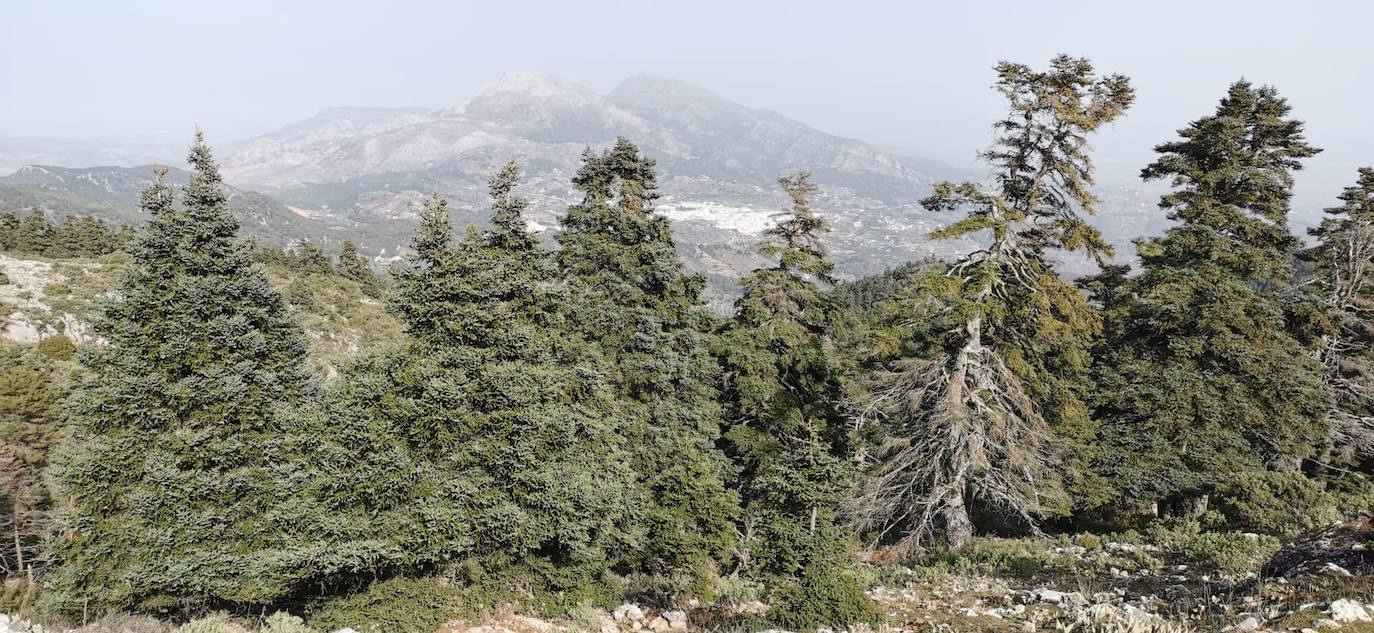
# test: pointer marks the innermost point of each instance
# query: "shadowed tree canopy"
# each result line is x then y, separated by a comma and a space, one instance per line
1200, 375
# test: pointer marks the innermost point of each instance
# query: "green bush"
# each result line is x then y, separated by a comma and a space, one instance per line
822, 598
283, 622
215, 623
57, 347
17, 596
1230, 552
1351, 491
399, 605
127, 623
1015, 557
1281, 504
1090, 542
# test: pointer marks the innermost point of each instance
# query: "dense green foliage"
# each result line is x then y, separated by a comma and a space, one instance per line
558, 428
404, 605
173, 482
1202, 374
788, 434
630, 294
74, 236
493, 433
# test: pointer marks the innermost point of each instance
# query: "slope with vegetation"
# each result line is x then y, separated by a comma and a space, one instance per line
201, 432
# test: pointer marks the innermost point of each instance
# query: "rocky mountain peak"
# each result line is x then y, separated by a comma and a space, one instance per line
525, 85
653, 91
546, 109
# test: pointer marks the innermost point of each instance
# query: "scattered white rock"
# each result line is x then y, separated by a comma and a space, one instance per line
628, 612
1347, 610
1336, 570
676, 619
1057, 597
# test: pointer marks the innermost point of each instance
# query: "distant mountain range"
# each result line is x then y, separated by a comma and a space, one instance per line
112, 193
365, 172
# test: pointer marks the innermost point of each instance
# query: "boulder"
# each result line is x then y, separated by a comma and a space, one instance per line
1347, 610
1344, 546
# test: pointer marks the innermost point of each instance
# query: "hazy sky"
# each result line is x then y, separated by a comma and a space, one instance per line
904, 75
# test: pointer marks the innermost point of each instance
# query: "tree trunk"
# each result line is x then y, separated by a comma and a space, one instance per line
958, 525
1186, 506
18, 541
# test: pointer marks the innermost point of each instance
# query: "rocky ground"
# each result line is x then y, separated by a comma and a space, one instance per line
1163, 581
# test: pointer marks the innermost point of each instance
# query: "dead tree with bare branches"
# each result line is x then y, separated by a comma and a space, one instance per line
1345, 273
974, 422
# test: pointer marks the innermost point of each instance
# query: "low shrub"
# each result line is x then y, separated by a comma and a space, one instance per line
1282, 504
214, 623
57, 347
127, 623
398, 605
1090, 542
283, 622
56, 290
823, 598
1229, 552
1022, 558
17, 596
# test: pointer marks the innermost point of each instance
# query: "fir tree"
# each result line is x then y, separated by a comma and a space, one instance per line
783, 391
1200, 377
33, 234
631, 296
508, 424
9, 230
353, 266
31, 424
30, 391
169, 486
310, 258
984, 415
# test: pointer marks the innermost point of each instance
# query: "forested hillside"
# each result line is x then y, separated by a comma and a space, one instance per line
204, 433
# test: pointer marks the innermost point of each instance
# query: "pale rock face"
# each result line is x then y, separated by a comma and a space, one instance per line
32, 318
1347, 610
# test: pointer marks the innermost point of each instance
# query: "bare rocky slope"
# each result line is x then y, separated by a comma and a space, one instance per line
363, 173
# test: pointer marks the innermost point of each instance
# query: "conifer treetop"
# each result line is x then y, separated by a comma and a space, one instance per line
509, 228
1232, 178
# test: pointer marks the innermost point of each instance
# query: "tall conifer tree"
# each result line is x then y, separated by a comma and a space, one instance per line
1200, 376
1344, 257
632, 297
169, 485
510, 426
787, 433
351, 265
986, 415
